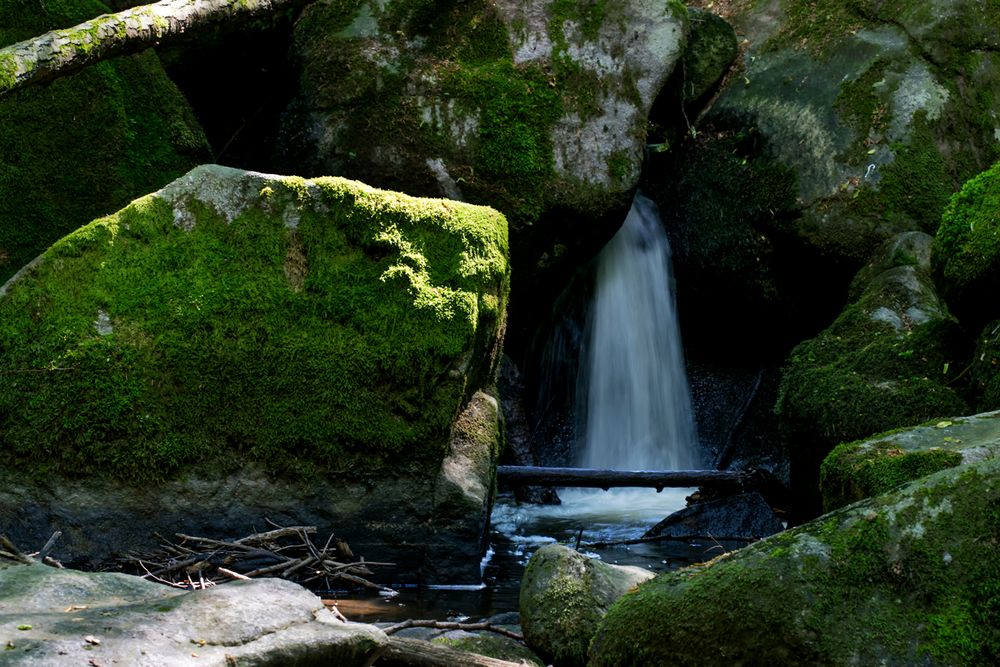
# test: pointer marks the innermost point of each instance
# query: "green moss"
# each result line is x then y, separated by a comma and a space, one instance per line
215, 355
854, 471
899, 579
967, 245
85, 144
814, 25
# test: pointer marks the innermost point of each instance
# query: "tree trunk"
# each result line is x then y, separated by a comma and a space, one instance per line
62, 52
403, 652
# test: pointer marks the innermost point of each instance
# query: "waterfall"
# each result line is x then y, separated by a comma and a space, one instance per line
633, 389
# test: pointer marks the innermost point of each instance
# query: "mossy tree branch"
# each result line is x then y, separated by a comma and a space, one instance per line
61, 52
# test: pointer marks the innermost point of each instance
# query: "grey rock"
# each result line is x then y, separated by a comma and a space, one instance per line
65, 617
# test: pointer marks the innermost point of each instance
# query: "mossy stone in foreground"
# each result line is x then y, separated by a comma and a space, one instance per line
910, 577
86, 144
234, 316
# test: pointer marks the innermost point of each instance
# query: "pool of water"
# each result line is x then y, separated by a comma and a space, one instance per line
520, 530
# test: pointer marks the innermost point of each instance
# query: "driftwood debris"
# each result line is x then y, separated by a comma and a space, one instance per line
9, 552
403, 652
605, 479
286, 552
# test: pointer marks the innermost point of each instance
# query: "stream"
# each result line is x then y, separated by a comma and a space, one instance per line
519, 530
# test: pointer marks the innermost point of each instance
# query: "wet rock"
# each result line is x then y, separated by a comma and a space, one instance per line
908, 577
564, 595
62, 617
746, 515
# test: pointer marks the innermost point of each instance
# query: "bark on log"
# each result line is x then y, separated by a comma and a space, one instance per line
61, 52
403, 652
605, 479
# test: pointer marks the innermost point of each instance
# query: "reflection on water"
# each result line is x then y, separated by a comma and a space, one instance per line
520, 530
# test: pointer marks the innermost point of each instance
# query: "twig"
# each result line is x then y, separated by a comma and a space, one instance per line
12, 552
44, 553
233, 575
451, 625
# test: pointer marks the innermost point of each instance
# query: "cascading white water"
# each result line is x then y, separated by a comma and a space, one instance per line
633, 385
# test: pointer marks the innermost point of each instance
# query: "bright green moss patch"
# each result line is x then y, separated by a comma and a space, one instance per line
967, 246
86, 144
857, 470
306, 326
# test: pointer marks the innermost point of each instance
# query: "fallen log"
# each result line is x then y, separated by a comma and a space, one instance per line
61, 52
403, 652
605, 479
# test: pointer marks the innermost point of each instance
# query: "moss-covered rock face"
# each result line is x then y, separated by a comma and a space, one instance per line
858, 470
886, 361
524, 107
86, 144
967, 249
910, 577
563, 597
881, 108
234, 317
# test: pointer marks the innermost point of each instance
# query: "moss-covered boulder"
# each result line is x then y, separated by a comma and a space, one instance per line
857, 470
882, 109
564, 595
300, 328
886, 362
84, 145
910, 577
527, 107
967, 249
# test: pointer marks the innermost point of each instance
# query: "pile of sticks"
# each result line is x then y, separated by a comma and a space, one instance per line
287, 552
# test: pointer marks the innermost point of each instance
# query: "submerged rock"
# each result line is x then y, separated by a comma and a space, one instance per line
909, 577
64, 617
239, 345
84, 144
886, 362
857, 470
564, 595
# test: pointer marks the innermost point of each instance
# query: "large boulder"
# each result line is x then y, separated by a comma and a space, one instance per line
537, 109
563, 597
238, 344
857, 470
910, 577
886, 362
64, 617
85, 144
880, 109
